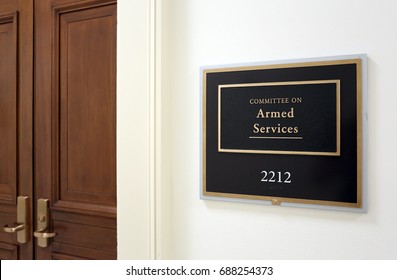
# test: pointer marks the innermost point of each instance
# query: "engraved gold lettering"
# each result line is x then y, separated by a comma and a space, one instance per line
257, 128
291, 113
260, 114
275, 114
275, 100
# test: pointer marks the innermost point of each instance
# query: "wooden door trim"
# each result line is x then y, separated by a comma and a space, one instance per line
19, 13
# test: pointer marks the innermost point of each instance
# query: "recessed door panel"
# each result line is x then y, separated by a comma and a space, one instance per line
8, 107
87, 105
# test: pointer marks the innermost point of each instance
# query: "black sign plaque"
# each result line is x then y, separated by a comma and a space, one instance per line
285, 132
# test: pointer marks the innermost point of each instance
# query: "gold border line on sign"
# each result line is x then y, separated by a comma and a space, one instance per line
337, 120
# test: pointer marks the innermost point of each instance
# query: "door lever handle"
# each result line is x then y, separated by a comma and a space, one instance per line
22, 225
43, 222
17, 228
40, 233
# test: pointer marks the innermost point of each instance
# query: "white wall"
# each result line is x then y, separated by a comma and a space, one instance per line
134, 126
209, 32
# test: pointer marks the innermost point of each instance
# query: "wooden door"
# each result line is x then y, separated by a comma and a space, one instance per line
72, 125
16, 121
75, 126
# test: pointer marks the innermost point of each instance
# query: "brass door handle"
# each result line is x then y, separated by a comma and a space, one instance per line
17, 228
22, 225
40, 233
43, 223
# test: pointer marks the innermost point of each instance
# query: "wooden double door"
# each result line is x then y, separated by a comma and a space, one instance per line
58, 129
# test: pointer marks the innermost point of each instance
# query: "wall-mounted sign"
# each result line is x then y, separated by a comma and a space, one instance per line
289, 132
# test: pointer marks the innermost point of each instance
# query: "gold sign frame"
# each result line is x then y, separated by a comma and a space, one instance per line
361, 103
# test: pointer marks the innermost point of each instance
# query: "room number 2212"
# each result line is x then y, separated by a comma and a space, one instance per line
276, 177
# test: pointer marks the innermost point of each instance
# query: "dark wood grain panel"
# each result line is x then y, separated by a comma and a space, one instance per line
65, 257
87, 97
92, 219
8, 107
8, 251
79, 253
99, 238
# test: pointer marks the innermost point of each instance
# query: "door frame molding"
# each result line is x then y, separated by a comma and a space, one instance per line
139, 130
